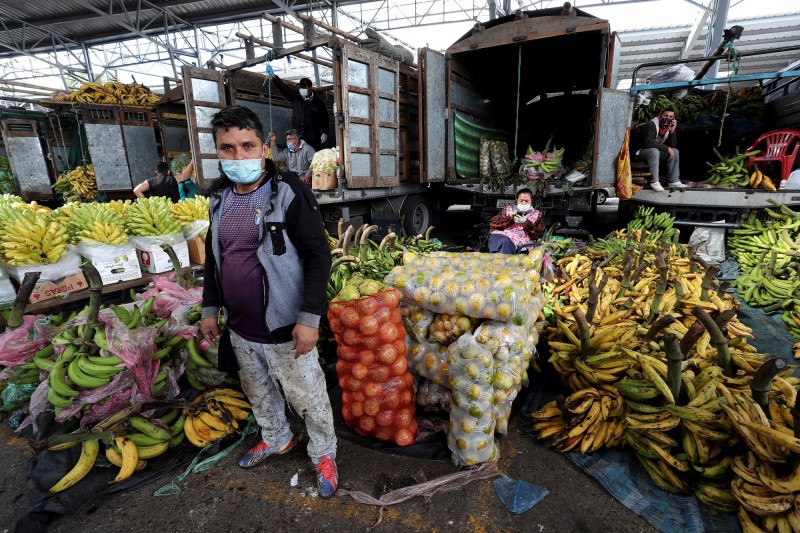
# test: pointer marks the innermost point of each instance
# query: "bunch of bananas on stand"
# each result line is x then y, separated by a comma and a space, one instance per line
30, 236
190, 209
759, 179
644, 227
97, 222
730, 171
79, 183
148, 217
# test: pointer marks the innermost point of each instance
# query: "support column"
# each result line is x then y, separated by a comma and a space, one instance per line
717, 22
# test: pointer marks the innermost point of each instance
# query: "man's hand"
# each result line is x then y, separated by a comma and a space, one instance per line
323, 138
209, 327
671, 152
672, 126
270, 71
272, 138
304, 338
519, 219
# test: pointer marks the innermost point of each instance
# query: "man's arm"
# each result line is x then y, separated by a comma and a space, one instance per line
142, 188
649, 139
324, 123
308, 156
184, 174
279, 154
306, 231
289, 93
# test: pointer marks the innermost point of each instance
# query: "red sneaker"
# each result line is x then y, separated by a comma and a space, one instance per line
261, 451
327, 476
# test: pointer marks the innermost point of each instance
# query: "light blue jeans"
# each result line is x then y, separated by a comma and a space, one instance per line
653, 157
262, 367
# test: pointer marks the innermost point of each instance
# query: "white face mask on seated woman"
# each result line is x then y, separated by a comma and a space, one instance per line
524, 208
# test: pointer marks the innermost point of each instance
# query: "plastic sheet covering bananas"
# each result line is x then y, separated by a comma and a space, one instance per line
114, 93
150, 217
325, 160
98, 223
78, 183
29, 235
472, 423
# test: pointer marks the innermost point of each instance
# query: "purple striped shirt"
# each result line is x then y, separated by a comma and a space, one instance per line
241, 273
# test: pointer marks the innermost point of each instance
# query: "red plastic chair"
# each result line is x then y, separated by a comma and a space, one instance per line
777, 150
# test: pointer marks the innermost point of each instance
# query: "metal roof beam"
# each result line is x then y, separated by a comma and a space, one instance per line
694, 34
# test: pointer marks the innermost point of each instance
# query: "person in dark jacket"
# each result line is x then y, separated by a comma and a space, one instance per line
162, 184
309, 112
267, 265
659, 143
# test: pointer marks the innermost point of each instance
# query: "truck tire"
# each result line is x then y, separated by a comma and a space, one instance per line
601, 196
417, 215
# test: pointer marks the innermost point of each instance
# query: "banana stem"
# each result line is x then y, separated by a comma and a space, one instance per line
343, 259
691, 337
718, 340
674, 359
661, 288
607, 260
340, 231
773, 258
387, 240
796, 420
708, 279
723, 318
15, 319
678, 297
777, 306
594, 293
346, 238
762, 380
723, 288
583, 331
176, 264
657, 326
357, 237
95, 292
70, 438
627, 261
785, 210
661, 265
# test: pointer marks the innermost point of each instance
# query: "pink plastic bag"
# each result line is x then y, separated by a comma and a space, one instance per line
15, 347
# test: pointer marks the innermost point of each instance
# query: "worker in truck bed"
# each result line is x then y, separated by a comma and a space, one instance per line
297, 154
309, 112
659, 143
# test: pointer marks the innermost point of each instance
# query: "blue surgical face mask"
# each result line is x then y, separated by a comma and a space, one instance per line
244, 171
290, 146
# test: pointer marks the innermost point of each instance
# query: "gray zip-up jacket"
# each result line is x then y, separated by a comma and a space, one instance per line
298, 161
293, 250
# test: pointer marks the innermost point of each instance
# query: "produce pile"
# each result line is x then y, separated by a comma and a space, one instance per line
732, 172
644, 227
29, 234
470, 320
112, 92
655, 358
8, 183
542, 165
378, 391
325, 160
107, 367
767, 255
746, 101
77, 184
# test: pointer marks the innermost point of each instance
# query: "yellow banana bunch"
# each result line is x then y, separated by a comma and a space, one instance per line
97, 222
8, 199
119, 206
586, 421
147, 217
77, 183
30, 237
190, 209
114, 93
214, 415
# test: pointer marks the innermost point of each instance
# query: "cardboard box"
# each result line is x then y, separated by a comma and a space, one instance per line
46, 290
197, 251
155, 260
122, 268
323, 181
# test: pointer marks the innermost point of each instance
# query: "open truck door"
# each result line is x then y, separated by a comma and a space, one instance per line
204, 95
432, 113
370, 97
612, 122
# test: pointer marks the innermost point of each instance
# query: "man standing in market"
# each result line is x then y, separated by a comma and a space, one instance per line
267, 265
659, 143
309, 112
298, 154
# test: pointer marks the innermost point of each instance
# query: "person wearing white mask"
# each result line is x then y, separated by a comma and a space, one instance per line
309, 113
297, 154
267, 265
515, 225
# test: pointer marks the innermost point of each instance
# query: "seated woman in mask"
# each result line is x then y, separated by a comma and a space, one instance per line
297, 154
515, 225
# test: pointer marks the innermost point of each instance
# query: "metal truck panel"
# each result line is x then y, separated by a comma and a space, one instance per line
107, 150
433, 120
204, 95
609, 134
728, 198
27, 159
140, 143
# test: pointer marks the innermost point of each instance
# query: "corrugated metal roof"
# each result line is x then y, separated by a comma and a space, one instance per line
28, 24
665, 44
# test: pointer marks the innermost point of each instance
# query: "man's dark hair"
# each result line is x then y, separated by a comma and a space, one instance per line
305, 82
236, 116
162, 168
671, 110
295, 133
524, 191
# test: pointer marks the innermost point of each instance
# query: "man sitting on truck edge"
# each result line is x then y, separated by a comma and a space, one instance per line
297, 154
309, 112
659, 143
267, 265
